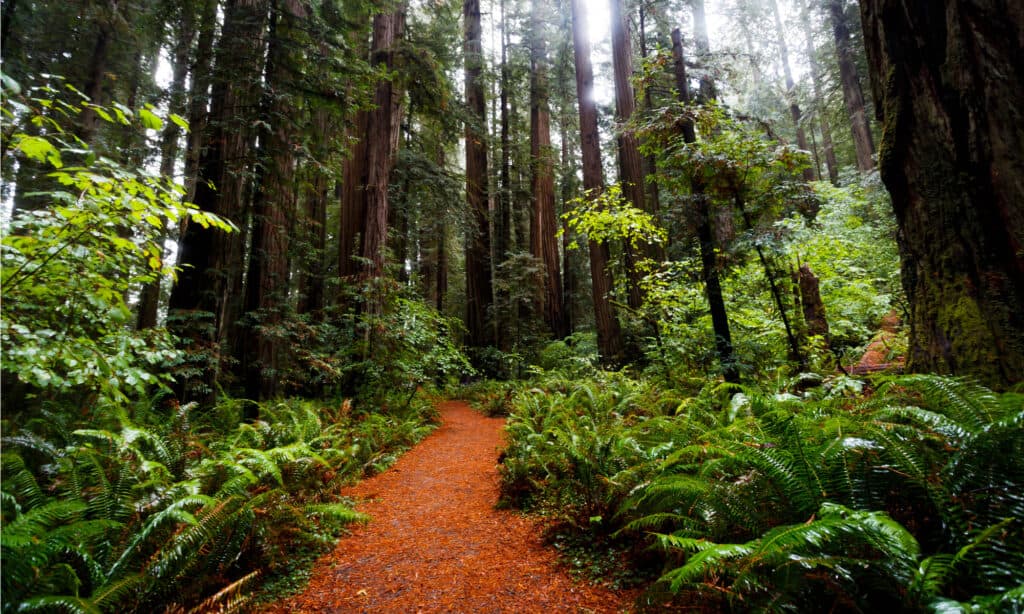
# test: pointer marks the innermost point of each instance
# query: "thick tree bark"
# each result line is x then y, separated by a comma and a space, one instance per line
863, 142
479, 292
311, 276
947, 82
794, 107
353, 203
208, 286
504, 314
544, 225
352, 214
705, 235
609, 333
650, 165
382, 135
266, 292
631, 171
93, 86
199, 95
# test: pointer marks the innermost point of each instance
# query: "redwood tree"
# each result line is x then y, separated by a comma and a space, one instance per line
853, 96
947, 80
703, 223
543, 223
794, 107
479, 293
206, 300
631, 172
609, 333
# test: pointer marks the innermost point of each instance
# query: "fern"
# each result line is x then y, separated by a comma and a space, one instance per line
230, 599
826, 544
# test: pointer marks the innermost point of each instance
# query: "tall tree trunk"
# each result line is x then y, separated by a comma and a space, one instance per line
6, 20
705, 235
381, 147
442, 268
794, 107
199, 95
266, 292
947, 81
353, 202
544, 225
650, 165
205, 299
504, 314
819, 99
149, 298
700, 35
93, 86
863, 142
479, 293
609, 333
570, 282
631, 169
352, 213
311, 277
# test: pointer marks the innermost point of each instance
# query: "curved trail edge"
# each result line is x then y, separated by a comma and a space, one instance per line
436, 544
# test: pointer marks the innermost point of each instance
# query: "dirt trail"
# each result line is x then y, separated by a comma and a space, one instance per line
875, 356
436, 543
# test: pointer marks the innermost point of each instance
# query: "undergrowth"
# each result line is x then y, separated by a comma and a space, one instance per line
155, 505
743, 499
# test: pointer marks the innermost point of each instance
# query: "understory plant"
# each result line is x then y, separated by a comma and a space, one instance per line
823, 500
156, 506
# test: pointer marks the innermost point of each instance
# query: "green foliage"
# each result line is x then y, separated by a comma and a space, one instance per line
68, 268
146, 507
851, 247
907, 498
407, 345
608, 217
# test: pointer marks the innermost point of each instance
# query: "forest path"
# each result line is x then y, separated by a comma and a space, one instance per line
436, 544
876, 355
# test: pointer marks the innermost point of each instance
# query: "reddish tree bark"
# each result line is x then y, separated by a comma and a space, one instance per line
609, 333
631, 168
544, 225
382, 138
209, 282
947, 81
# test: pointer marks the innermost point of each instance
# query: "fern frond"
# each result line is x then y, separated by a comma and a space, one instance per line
966, 402
20, 482
230, 599
337, 512
174, 514
260, 462
37, 521
59, 603
114, 594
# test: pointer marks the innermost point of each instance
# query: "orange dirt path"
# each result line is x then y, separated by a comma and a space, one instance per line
436, 544
875, 355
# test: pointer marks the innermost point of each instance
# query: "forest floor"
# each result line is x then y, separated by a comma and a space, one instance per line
877, 355
437, 544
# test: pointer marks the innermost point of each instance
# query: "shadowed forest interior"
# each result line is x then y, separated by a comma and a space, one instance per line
745, 279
